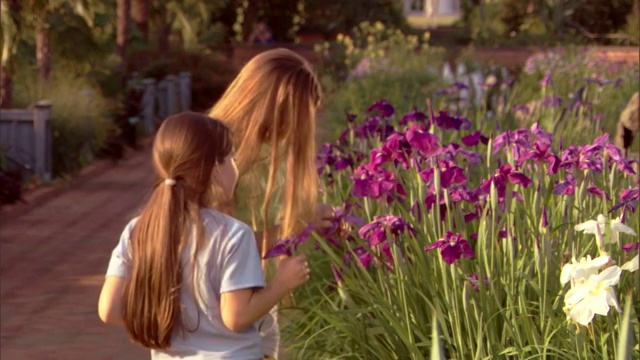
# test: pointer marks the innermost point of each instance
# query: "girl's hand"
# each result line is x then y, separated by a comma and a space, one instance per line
292, 272
324, 216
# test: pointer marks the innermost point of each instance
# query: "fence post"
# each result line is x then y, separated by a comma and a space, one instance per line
149, 105
185, 91
42, 132
161, 98
171, 95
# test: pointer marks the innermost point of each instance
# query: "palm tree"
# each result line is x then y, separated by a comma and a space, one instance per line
140, 15
123, 30
10, 24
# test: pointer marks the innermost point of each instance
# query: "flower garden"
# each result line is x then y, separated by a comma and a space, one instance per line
474, 231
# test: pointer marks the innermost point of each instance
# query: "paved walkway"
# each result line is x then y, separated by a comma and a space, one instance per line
52, 264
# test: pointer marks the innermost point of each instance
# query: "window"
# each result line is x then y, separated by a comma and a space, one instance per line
417, 5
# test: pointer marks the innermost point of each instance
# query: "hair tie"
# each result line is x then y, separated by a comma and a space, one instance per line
169, 182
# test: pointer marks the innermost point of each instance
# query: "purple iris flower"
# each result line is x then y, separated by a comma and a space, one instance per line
544, 220
451, 122
471, 157
521, 108
337, 273
628, 200
382, 107
474, 138
372, 127
596, 191
452, 247
618, 83
631, 247
413, 116
518, 139
376, 231
460, 86
474, 280
343, 139
597, 80
601, 140
399, 149
342, 215
542, 136
462, 193
505, 174
362, 254
426, 143
552, 101
289, 245
616, 156
452, 176
587, 157
541, 152
566, 187
469, 217
325, 156
546, 81
613, 152
374, 183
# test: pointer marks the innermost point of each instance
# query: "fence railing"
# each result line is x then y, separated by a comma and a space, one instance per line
162, 99
25, 136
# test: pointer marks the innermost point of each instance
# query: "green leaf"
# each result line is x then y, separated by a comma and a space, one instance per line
437, 352
626, 337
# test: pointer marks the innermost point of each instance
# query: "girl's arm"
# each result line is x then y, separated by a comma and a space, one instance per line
241, 309
109, 304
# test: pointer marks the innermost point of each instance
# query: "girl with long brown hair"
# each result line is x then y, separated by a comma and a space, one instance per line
270, 108
185, 280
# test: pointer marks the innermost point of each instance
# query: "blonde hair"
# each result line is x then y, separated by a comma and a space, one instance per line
186, 149
273, 102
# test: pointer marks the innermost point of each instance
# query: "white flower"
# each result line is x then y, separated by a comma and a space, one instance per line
579, 271
591, 226
593, 296
618, 227
631, 265
599, 226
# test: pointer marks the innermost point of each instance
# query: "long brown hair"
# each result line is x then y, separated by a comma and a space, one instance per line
273, 102
186, 149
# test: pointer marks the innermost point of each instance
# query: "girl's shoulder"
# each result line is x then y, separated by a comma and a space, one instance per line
227, 226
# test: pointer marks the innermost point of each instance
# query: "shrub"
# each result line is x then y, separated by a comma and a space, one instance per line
211, 73
81, 116
11, 178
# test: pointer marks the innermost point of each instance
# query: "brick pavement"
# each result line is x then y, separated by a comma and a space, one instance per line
52, 263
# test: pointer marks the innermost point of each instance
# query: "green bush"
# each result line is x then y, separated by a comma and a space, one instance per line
81, 115
211, 73
376, 62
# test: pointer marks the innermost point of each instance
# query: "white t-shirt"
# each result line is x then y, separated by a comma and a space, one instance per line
228, 261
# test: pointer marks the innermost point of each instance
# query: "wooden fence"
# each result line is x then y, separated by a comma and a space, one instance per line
26, 135
161, 99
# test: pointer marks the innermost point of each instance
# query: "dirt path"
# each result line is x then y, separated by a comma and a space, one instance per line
52, 263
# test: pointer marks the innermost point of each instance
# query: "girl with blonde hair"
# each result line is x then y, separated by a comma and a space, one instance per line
186, 280
270, 108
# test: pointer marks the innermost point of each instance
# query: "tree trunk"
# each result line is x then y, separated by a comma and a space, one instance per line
6, 88
43, 55
140, 16
250, 18
164, 31
123, 32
